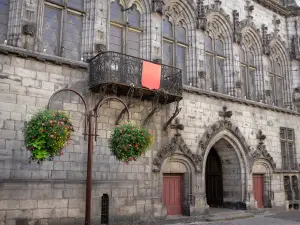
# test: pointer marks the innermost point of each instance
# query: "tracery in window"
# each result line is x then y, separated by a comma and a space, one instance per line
215, 63
276, 75
4, 10
175, 46
125, 29
247, 74
62, 28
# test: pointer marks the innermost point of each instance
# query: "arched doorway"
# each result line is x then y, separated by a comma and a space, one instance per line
214, 180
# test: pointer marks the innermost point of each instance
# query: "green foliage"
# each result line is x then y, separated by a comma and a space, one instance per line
46, 134
128, 142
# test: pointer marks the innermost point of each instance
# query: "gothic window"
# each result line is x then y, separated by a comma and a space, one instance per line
125, 29
175, 46
276, 82
4, 10
215, 63
62, 28
247, 72
288, 152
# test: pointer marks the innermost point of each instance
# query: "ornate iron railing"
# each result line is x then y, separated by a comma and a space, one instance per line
117, 68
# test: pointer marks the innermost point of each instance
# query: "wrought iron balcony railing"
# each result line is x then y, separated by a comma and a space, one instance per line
126, 71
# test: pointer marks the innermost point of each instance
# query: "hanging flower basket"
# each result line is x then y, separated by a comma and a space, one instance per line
128, 142
46, 134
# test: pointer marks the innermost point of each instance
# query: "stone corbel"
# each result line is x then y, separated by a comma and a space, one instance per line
157, 6
100, 48
29, 29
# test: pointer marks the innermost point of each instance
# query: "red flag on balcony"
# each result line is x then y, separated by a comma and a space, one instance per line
151, 75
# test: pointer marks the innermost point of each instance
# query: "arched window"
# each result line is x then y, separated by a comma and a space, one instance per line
215, 63
247, 72
276, 82
175, 46
62, 28
4, 10
125, 29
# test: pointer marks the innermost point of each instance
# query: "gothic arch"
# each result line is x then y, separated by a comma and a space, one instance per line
261, 155
176, 146
216, 128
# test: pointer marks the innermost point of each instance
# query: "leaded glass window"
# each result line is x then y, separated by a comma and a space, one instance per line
215, 63
247, 72
62, 28
175, 46
4, 10
125, 29
288, 152
276, 83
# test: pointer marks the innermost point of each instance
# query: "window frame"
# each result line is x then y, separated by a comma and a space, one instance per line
215, 55
248, 67
274, 84
289, 162
176, 43
65, 10
125, 27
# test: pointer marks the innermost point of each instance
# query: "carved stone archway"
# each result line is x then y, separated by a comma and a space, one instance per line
177, 144
216, 128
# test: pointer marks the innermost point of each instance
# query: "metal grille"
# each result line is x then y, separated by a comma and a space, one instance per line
267, 191
104, 209
287, 188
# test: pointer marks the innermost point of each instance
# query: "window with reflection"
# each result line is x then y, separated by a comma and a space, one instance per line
62, 28
125, 29
175, 46
276, 82
215, 63
247, 73
4, 10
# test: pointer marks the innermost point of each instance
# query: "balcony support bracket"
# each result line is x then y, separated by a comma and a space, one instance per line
176, 112
156, 107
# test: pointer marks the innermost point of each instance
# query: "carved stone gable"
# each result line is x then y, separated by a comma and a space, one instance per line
177, 144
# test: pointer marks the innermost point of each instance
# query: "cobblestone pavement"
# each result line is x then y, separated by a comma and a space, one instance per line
289, 218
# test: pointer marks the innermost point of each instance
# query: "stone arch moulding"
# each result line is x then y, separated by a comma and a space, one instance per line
177, 144
216, 128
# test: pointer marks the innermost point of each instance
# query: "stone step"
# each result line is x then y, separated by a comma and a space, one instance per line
228, 216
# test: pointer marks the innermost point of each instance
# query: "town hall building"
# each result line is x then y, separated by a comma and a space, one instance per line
226, 116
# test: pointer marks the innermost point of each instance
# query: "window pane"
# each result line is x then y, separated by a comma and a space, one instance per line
116, 13
209, 67
242, 55
219, 47
181, 34
250, 58
244, 80
168, 53
220, 75
283, 155
76, 4
272, 87
134, 17
4, 9
251, 84
279, 92
72, 36
133, 44
181, 61
167, 29
208, 43
51, 30
115, 40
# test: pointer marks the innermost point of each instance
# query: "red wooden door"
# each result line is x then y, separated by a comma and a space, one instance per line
258, 190
172, 194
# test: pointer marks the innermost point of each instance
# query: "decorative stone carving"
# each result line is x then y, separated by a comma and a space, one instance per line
295, 47
177, 126
237, 36
99, 48
268, 93
276, 23
249, 8
202, 74
225, 114
158, 61
29, 29
261, 152
216, 128
157, 6
201, 16
265, 40
238, 84
177, 143
296, 98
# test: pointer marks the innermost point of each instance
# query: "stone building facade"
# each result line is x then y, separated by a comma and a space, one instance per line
239, 107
